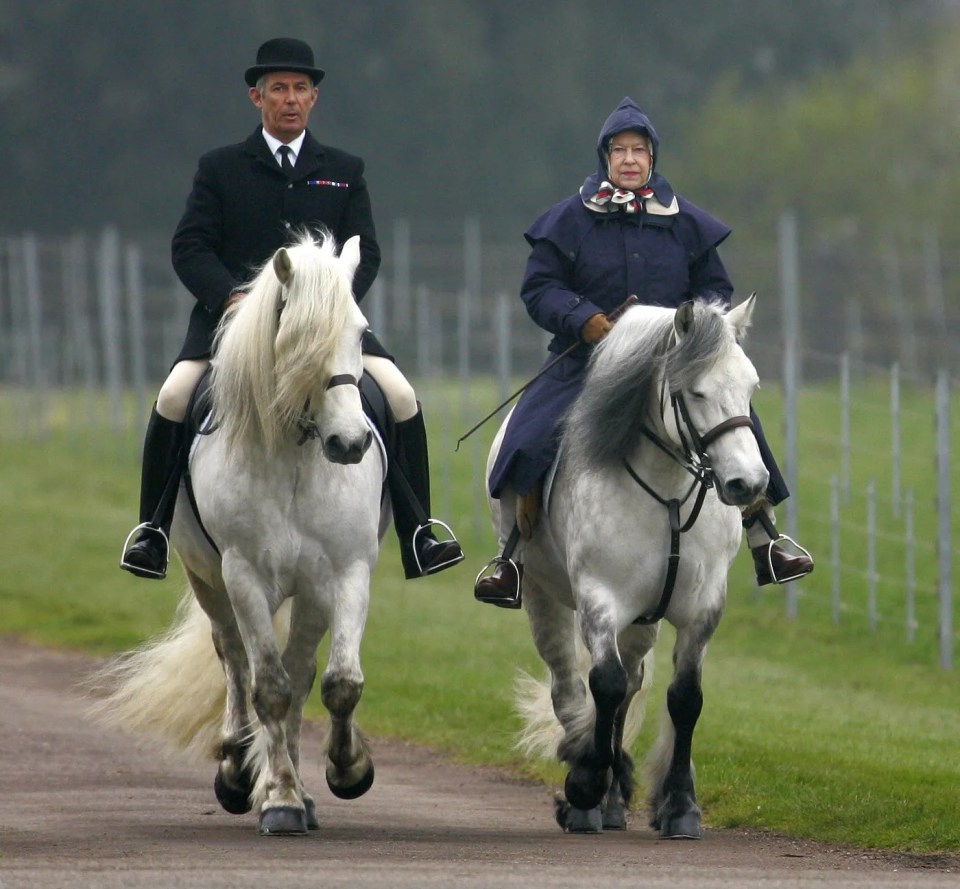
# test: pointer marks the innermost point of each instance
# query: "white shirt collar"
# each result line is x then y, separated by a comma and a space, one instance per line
274, 145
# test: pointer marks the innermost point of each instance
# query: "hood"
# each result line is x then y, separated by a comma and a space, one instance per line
626, 116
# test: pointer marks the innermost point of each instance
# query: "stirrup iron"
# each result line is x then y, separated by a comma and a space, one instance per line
501, 561
490, 567
426, 526
137, 569
801, 550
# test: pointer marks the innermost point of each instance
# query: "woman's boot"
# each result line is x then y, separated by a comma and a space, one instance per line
776, 557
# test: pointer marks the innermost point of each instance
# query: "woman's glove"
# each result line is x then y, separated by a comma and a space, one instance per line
595, 328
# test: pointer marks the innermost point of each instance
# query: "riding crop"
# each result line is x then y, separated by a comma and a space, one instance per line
612, 317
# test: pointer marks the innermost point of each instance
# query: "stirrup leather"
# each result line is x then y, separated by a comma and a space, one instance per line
802, 550
426, 526
489, 568
137, 569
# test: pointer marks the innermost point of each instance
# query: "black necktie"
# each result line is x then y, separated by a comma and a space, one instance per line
286, 164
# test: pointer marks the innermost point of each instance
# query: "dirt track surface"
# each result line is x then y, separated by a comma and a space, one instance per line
84, 808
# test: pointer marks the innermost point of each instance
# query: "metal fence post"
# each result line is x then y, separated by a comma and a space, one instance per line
790, 297
944, 507
835, 546
895, 438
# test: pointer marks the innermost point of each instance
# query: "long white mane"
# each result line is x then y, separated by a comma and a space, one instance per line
274, 347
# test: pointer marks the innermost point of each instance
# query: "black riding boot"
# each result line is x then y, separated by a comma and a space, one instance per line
150, 552
408, 476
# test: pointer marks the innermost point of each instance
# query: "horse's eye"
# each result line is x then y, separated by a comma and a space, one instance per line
699, 396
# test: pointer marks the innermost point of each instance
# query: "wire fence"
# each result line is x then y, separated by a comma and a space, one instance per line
857, 403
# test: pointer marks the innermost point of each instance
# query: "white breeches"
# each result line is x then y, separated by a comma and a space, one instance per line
176, 391
398, 392
183, 378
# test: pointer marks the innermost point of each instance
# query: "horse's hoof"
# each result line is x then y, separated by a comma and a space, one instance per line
354, 790
313, 822
584, 821
682, 827
614, 816
283, 821
235, 800
585, 788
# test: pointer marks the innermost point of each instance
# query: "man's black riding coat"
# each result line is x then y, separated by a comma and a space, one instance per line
242, 208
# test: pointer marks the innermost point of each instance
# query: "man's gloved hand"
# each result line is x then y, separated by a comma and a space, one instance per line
595, 328
233, 299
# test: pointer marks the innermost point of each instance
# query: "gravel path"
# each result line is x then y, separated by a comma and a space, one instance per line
84, 808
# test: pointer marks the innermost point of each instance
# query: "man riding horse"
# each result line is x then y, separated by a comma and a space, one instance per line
248, 200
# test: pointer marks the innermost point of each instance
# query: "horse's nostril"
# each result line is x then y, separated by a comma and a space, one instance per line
736, 486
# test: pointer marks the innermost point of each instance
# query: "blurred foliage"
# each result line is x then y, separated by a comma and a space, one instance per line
489, 108
873, 141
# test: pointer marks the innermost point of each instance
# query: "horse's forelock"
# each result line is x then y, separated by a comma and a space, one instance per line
707, 339
273, 350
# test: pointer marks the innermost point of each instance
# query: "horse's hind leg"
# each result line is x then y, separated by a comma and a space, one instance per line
349, 769
233, 784
673, 800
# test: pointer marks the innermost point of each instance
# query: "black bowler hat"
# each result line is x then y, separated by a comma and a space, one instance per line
283, 54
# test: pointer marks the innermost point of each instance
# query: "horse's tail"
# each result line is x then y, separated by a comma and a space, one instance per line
542, 732
171, 688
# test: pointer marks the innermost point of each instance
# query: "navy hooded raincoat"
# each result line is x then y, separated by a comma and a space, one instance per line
583, 262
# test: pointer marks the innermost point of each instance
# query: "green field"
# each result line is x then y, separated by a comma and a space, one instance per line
841, 733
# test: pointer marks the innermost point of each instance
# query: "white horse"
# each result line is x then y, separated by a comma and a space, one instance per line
640, 523
288, 493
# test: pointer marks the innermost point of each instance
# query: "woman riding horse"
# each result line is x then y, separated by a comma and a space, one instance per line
624, 232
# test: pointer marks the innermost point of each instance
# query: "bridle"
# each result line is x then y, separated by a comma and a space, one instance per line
694, 460
309, 430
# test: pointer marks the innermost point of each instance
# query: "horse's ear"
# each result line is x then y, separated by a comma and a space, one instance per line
684, 317
350, 256
282, 266
741, 315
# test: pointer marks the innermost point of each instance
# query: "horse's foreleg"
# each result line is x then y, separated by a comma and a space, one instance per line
635, 643
307, 626
673, 800
349, 768
591, 756
282, 811
234, 781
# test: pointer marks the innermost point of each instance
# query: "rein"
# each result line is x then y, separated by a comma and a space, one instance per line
694, 460
309, 430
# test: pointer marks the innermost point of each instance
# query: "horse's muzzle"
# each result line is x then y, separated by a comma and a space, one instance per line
339, 451
739, 491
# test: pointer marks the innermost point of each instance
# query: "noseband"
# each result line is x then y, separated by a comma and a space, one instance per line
309, 429
694, 460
